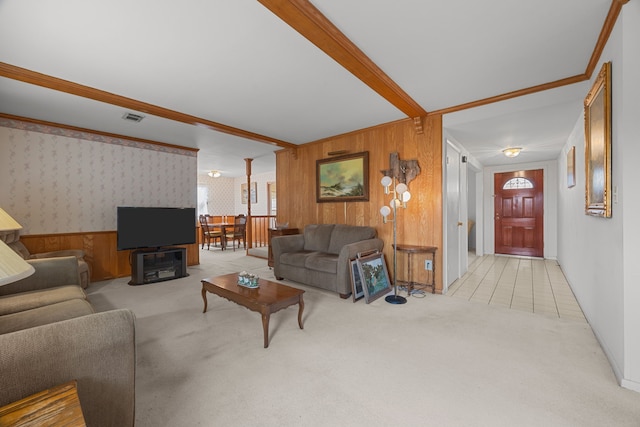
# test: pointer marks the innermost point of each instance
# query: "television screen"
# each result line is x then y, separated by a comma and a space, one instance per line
140, 227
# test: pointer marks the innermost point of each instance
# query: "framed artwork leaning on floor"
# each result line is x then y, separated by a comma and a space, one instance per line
374, 276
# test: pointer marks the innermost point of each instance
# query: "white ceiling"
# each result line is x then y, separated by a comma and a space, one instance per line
236, 63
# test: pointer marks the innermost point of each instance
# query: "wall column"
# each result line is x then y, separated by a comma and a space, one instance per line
248, 232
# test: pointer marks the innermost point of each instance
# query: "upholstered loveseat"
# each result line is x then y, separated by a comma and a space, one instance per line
321, 255
50, 334
84, 271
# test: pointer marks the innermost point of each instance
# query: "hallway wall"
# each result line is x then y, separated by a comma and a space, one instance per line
599, 255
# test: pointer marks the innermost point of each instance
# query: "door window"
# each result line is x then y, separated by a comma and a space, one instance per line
517, 184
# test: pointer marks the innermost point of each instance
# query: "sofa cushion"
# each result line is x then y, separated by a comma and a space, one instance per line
296, 259
321, 261
44, 315
346, 234
317, 237
33, 299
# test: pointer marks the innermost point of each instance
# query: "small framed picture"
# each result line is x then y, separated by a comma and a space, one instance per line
374, 276
254, 193
571, 167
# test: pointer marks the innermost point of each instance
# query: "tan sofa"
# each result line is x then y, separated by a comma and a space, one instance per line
320, 255
12, 239
50, 294
50, 334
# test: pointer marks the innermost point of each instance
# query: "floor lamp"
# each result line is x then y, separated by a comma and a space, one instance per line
400, 197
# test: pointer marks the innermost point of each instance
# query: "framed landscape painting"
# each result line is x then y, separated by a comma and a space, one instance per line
374, 276
343, 178
597, 134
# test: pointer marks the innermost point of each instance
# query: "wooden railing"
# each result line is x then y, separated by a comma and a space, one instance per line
257, 233
260, 225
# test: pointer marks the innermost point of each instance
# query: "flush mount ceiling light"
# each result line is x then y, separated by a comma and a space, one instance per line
512, 152
214, 174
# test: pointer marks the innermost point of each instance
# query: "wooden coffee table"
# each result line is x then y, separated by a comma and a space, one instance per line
266, 299
57, 406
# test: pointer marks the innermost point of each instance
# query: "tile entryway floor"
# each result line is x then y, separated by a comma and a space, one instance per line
533, 285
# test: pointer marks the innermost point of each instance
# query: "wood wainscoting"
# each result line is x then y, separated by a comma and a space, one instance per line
100, 251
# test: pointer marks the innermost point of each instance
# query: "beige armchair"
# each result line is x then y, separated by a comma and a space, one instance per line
12, 239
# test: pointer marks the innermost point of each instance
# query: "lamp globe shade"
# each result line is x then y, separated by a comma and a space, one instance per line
386, 181
401, 188
385, 211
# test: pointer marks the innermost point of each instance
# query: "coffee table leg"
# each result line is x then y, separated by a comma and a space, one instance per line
300, 309
265, 328
204, 297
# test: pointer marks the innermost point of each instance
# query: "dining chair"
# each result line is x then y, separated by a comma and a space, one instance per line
208, 234
238, 232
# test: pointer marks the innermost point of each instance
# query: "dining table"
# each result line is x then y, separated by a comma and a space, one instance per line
223, 227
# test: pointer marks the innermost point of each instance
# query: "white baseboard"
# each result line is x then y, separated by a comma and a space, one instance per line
631, 385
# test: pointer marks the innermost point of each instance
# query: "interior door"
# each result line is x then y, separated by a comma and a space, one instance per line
518, 213
453, 214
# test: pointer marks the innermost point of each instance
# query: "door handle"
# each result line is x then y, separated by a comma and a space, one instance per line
459, 224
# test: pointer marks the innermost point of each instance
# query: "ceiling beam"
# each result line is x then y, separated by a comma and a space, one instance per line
303, 17
43, 80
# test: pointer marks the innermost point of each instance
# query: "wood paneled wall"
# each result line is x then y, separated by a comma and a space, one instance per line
100, 251
419, 224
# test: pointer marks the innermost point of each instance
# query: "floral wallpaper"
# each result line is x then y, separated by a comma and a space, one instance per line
220, 200
224, 194
55, 180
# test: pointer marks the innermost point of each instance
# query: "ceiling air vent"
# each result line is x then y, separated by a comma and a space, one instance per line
133, 117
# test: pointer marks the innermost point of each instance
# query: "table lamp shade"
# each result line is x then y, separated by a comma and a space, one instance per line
7, 223
12, 266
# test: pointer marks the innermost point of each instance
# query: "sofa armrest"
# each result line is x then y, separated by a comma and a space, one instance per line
282, 244
49, 273
78, 253
349, 252
97, 350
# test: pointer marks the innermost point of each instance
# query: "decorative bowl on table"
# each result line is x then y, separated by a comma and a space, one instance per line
248, 280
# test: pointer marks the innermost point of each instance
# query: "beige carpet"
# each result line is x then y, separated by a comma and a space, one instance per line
435, 361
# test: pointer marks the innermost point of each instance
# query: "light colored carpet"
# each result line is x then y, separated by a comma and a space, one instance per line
435, 361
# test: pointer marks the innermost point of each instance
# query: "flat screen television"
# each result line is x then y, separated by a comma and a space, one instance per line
141, 227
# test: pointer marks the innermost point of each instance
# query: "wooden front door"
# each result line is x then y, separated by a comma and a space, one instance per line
519, 213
